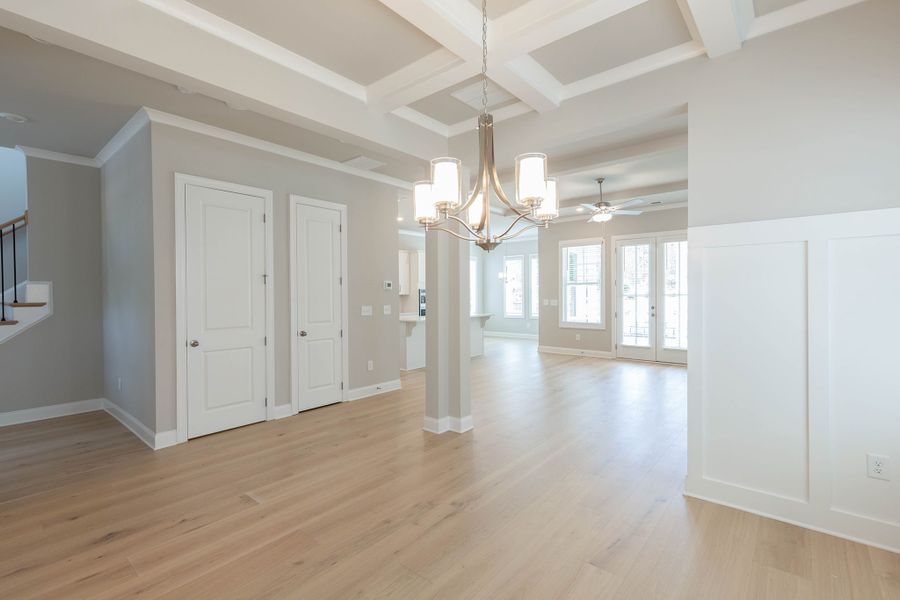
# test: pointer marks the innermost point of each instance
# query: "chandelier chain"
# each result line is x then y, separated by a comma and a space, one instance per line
484, 81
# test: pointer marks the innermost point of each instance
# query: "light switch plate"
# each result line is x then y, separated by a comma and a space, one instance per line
366, 310
546, 302
387, 309
554, 303
388, 285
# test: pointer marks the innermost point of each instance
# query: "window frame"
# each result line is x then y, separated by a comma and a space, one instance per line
521, 258
531, 300
563, 246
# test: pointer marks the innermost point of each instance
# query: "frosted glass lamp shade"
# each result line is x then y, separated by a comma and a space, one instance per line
549, 208
424, 203
446, 182
601, 217
531, 179
476, 212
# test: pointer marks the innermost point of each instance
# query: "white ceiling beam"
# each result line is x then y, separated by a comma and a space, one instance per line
430, 74
456, 25
793, 14
216, 67
718, 25
592, 161
635, 68
647, 193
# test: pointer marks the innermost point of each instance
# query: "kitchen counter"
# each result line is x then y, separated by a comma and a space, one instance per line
413, 328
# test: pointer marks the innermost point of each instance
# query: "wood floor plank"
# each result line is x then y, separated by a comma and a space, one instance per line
568, 488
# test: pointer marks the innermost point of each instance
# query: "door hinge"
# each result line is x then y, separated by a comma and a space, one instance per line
340, 228
264, 217
267, 401
341, 280
265, 340
342, 385
342, 333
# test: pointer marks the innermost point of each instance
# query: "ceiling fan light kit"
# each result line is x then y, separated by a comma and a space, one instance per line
603, 211
440, 201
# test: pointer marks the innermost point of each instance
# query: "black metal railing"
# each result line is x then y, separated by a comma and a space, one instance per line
8, 232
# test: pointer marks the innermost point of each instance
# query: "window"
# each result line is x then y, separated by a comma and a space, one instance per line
513, 287
582, 284
473, 285
534, 288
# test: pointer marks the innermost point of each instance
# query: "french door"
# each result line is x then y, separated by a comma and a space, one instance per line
651, 298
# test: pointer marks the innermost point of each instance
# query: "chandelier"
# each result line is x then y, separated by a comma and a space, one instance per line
440, 202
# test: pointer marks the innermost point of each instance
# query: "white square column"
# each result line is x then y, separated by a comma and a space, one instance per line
448, 405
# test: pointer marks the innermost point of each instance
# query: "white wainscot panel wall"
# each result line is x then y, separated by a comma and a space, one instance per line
794, 370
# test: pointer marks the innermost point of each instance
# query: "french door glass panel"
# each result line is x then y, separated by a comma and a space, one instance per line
635, 300
675, 295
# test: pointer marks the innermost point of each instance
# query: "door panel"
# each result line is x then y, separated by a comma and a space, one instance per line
319, 306
226, 309
636, 302
673, 299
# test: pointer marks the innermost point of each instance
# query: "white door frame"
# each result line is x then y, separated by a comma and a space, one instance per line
295, 202
181, 396
614, 241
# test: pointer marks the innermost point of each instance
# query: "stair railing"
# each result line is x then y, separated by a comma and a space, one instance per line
9, 229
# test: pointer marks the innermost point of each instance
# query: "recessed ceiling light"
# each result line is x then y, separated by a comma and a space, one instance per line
13, 117
579, 209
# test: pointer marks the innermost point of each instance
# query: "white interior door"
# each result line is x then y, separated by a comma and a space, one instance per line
636, 302
225, 302
318, 263
671, 338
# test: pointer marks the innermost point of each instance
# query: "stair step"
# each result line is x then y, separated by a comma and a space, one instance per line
2, 323
27, 304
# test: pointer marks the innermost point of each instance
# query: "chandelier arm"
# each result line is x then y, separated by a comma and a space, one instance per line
511, 225
453, 233
523, 230
466, 225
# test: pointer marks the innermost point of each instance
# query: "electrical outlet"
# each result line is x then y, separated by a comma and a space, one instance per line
387, 309
577, 337
366, 310
371, 365
878, 466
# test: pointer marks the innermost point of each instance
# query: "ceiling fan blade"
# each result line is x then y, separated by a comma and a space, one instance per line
629, 202
628, 212
591, 207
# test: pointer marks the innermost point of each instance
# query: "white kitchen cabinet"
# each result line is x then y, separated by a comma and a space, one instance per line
404, 273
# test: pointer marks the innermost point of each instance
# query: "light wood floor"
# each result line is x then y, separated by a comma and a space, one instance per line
569, 487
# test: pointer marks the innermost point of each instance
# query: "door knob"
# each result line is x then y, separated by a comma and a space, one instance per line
194, 343
303, 334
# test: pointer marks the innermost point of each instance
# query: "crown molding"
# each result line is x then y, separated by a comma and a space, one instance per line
128, 131
164, 118
73, 159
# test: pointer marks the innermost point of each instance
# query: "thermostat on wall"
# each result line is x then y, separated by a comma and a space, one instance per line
388, 285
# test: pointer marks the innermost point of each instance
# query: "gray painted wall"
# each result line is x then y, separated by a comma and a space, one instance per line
128, 310
60, 359
373, 246
494, 289
551, 334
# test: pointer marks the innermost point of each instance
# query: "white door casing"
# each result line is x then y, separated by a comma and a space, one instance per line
224, 365
319, 303
642, 297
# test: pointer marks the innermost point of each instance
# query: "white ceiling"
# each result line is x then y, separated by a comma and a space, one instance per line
393, 80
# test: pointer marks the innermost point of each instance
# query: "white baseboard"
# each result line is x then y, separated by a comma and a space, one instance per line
575, 352
445, 424
433, 425
461, 425
283, 410
373, 390
141, 431
164, 439
508, 334
50, 412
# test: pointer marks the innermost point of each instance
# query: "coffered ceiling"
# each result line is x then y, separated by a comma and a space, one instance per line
398, 80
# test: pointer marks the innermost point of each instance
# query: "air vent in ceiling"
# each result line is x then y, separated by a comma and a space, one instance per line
364, 162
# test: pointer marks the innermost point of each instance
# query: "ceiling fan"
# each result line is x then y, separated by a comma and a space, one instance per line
603, 211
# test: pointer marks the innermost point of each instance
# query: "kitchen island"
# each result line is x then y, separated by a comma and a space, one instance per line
412, 328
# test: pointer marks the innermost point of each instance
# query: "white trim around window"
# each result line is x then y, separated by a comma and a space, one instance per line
564, 245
